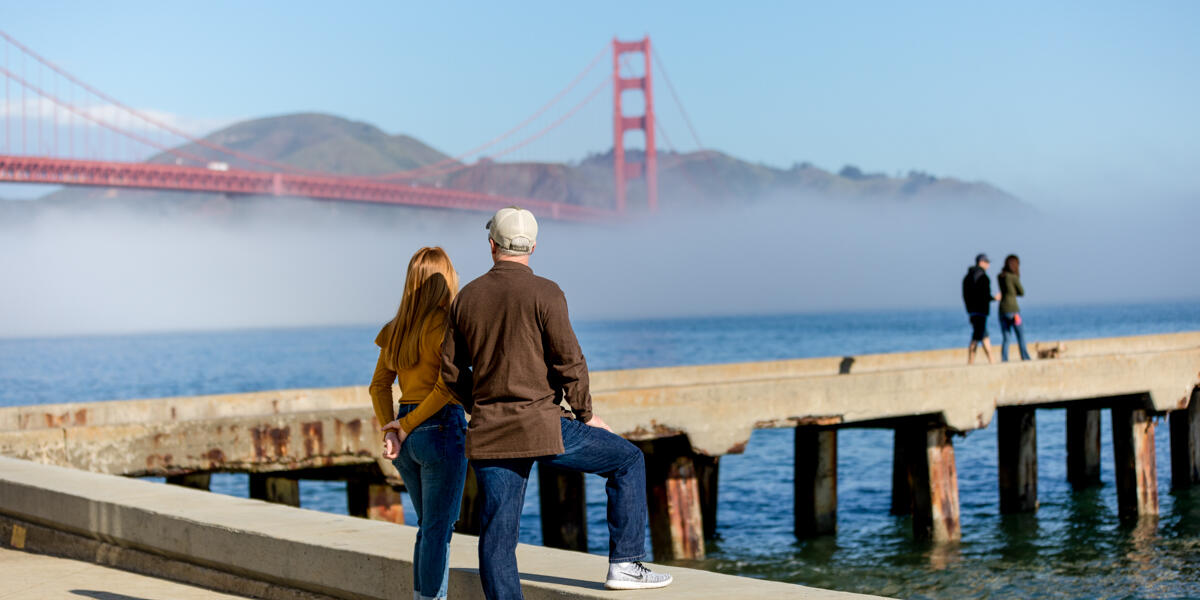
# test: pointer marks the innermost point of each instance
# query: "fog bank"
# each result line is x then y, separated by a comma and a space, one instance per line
299, 263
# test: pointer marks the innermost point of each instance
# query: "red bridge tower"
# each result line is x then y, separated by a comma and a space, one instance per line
624, 171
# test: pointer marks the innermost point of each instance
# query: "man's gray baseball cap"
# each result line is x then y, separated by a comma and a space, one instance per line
514, 229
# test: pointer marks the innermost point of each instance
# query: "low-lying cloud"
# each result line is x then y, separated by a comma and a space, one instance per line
300, 263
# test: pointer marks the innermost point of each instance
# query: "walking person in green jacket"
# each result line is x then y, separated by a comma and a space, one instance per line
1010, 313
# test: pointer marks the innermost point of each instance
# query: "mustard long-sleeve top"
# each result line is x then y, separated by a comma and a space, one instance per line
420, 384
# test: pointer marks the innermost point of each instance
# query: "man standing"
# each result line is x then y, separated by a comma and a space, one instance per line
977, 295
511, 357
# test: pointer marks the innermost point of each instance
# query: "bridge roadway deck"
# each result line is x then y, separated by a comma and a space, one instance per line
716, 406
275, 551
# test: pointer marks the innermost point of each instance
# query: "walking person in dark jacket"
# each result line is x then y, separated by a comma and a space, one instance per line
512, 359
1009, 281
977, 295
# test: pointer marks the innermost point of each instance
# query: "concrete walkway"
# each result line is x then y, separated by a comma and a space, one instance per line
27, 575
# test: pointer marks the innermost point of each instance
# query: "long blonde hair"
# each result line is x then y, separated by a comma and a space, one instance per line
429, 286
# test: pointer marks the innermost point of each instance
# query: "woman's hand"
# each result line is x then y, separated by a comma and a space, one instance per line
391, 445
393, 439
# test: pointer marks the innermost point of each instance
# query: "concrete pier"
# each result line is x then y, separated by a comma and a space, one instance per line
685, 418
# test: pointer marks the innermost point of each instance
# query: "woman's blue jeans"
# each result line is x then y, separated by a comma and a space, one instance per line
587, 449
433, 463
1008, 324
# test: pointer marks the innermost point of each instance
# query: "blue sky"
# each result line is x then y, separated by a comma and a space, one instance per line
1067, 105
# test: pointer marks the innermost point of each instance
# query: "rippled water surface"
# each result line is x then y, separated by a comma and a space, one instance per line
1073, 547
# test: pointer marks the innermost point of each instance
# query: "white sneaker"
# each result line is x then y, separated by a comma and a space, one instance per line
634, 576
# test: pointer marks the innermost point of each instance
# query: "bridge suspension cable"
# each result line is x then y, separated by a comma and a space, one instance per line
455, 161
144, 117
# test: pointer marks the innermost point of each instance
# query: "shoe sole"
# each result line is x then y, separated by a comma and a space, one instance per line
636, 585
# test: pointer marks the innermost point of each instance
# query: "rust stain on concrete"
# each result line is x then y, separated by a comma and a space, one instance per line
314, 438
270, 442
215, 456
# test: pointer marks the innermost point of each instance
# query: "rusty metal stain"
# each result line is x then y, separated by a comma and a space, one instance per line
737, 448
215, 456
355, 427
81, 416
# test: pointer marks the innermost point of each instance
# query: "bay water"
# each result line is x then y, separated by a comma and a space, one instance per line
1073, 547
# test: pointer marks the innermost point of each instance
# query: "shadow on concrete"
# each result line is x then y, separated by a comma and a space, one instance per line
582, 583
99, 595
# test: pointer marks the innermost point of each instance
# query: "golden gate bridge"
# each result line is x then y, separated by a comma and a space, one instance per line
54, 134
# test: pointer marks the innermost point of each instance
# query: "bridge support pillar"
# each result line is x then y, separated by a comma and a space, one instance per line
1133, 453
933, 479
273, 488
708, 470
1185, 444
1083, 447
815, 482
1016, 430
901, 492
200, 481
563, 508
468, 511
378, 501
673, 493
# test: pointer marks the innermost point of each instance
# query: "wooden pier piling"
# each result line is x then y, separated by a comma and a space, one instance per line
901, 492
1185, 444
708, 478
1133, 454
933, 480
673, 495
199, 481
273, 488
374, 500
469, 510
815, 467
1083, 447
563, 508
1016, 430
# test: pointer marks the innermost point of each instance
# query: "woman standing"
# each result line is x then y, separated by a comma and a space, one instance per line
1010, 312
425, 438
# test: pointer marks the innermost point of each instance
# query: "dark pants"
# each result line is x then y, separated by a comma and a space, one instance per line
1008, 324
978, 327
433, 464
586, 448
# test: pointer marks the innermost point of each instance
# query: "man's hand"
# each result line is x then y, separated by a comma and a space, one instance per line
996, 297
599, 423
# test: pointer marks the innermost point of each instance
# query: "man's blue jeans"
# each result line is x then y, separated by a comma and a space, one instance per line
1008, 324
433, 464
586, 448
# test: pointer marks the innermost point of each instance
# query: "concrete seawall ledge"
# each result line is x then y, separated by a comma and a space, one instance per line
335, 555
